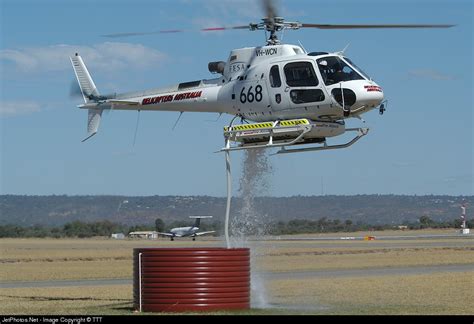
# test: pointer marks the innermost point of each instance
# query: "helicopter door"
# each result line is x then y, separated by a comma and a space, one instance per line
276, 90
303, 85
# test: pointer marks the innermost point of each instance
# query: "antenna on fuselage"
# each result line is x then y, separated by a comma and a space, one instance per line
136, 129
343, 50
177, 120
301, 45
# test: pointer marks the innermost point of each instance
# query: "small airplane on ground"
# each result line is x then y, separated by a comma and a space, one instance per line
188, 230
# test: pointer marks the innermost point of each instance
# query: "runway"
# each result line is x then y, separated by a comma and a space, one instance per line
362, 238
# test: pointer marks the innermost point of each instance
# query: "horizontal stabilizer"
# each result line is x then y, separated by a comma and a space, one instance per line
200, 216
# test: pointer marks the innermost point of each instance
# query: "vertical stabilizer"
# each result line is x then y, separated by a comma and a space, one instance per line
89, 93
93, 122
88, 88
197, 223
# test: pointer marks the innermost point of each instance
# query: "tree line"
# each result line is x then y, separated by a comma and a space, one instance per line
78, 229
324, 225
133, 210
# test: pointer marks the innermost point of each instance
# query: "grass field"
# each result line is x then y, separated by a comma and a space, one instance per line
430, 293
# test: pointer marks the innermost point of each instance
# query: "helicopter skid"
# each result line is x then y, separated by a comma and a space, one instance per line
360, 133
286, 133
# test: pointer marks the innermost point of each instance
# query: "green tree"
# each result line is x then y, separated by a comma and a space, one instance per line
425, 221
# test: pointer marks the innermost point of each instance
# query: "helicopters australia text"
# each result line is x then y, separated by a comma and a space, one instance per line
168, 98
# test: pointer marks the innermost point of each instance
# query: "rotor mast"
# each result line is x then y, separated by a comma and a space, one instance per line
274, 25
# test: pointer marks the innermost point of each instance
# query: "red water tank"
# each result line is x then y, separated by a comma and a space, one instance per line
191, 279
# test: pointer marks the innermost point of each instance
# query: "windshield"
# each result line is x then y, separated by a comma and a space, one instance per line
357, 68
334, 70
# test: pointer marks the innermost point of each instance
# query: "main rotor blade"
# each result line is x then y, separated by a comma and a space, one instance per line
224, 28
142, 33
269, 8
171, 31
331, 26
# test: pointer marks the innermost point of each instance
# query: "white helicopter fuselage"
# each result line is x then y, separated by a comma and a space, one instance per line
248, 88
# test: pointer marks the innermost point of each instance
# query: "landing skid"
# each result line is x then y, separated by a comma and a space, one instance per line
361, 132
279, 136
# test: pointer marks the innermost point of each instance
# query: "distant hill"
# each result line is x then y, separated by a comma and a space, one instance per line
370, 209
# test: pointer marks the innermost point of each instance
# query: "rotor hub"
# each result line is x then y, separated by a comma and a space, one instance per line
274, 25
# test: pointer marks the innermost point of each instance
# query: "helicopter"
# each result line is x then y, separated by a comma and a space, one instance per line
284, 96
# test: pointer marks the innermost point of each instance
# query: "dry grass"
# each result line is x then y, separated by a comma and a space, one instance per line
291, 259
440, 293
53, 259
61, 270
57, 249
67, 300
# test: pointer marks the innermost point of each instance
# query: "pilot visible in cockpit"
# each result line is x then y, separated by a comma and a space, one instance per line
333, 73
339, 75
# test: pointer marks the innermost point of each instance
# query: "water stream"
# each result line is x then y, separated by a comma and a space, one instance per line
250, 222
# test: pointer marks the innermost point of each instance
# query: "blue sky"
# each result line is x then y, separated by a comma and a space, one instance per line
422, 145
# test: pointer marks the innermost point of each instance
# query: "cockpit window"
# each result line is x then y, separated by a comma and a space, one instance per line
357, 68
300, 74
335, 70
